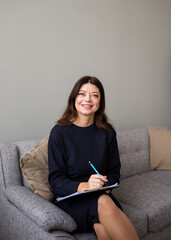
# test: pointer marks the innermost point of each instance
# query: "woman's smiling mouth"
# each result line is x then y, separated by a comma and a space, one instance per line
86, 105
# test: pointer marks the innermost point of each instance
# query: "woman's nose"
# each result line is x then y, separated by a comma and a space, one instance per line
88, 98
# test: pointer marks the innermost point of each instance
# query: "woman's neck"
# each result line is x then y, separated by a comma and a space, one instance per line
83, 121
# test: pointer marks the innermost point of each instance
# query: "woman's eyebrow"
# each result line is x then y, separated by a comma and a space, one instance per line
85, 91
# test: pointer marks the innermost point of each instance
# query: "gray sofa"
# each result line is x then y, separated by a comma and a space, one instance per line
145, 196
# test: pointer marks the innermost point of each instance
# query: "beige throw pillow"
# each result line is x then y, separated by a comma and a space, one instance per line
160, 148
34, 165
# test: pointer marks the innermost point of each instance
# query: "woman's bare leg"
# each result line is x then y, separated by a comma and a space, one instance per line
101, 232
115, 223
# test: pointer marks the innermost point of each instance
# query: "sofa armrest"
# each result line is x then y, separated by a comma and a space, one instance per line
43, 213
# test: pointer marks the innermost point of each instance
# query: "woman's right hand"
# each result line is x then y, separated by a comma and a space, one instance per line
95, 181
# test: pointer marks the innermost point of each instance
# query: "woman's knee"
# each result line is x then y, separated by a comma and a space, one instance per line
105, 201
106, 205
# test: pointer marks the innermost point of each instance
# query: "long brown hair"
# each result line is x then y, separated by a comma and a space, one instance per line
70, 114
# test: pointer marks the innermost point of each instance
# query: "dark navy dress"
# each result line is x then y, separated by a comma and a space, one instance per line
70, 149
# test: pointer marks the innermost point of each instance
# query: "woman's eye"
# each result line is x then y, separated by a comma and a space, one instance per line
81, 94
95, 95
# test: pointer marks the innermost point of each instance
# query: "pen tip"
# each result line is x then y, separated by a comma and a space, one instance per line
89, 162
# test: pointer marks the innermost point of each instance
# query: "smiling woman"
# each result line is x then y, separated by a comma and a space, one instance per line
90, 92
80, 135
87, 103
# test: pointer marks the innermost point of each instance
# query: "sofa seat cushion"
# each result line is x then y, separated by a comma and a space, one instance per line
164, 177
164, 234
148, 195
85, 236
137, 217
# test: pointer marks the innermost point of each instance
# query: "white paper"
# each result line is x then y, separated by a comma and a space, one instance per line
87, 191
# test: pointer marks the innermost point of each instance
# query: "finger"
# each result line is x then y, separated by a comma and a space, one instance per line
95, 185
97, 182
99, 176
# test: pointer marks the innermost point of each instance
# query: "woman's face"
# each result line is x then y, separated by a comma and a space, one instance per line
87, 101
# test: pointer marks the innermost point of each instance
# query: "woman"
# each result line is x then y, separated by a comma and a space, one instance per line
83, 134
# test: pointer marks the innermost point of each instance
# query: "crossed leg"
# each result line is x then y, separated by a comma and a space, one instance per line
101, 232
114, 224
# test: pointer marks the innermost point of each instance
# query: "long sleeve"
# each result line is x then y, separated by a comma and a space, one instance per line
70, 148
113, 160
59, 181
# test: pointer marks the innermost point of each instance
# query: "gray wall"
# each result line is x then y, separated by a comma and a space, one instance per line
47, 45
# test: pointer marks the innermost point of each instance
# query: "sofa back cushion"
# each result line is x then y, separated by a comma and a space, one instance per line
34, 165
10, 174
133, 148
134, 151
23, 147
160, 148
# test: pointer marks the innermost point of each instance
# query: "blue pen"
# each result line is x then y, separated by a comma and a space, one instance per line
96, 171
93, 167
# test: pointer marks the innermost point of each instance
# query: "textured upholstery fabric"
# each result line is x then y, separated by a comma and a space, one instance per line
160, 235
43, 213
85, 236
10, 165
163, 177
160, 149
138, 218
23, 147
134, 152
151, 197
144, 195
2, 186
16, 225
61, 235
34, 165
